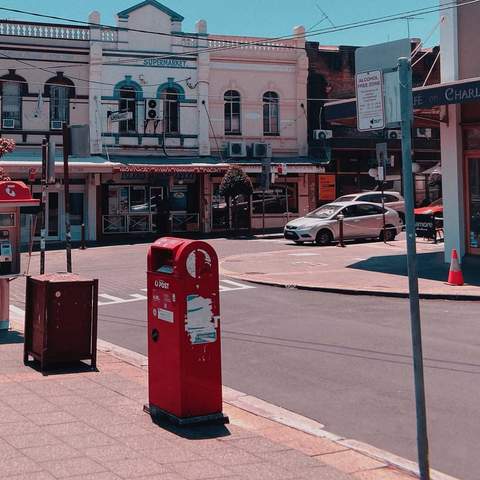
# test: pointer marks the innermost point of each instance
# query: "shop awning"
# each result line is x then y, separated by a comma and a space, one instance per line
424, 98
22, 160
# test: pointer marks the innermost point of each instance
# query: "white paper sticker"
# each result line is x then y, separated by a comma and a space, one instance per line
165, 315
200, 323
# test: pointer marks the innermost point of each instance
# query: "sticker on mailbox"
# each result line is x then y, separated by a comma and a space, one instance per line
201, 323
163, 305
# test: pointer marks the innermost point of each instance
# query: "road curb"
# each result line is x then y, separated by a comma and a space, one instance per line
261, 408
348, 291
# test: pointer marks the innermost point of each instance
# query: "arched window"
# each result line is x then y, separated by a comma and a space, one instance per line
270, 114
171, 110
60, 89
232, 113
128, 103
13, 87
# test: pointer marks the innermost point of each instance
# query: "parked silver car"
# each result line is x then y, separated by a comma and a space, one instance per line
361, 220
391, 200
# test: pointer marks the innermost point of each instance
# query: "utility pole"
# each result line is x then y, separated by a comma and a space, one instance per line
66, 189
406, 106
43, 205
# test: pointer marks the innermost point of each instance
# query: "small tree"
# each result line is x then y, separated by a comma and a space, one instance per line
235, 182
7, 145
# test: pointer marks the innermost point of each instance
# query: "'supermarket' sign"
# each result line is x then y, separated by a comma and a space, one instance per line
164, 62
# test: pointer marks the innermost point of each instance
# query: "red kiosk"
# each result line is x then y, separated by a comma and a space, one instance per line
13, 196
184, 355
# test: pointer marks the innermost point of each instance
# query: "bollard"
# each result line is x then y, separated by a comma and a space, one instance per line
340, 218
82, 244
4, 303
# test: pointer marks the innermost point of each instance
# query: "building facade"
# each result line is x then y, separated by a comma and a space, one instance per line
460, 135
353, 153
168, 111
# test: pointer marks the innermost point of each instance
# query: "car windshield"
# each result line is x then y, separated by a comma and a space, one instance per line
346, 198
436, 203
326, 211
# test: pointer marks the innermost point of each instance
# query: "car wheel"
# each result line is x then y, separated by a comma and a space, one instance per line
390, 233
324, 237
402, 218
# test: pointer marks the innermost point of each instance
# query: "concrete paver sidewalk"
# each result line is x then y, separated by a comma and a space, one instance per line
90, 426
363, 268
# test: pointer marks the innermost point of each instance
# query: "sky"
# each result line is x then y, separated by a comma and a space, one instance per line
262, 17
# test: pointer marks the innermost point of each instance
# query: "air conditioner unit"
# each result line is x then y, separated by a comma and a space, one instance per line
424, 132
262, 150
322, 134
56, 125
237, 149
394, 134
153, 109
8, 123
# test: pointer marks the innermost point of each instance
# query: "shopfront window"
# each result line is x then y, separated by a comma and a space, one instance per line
474, 203
276, 199
128, 209
219, 210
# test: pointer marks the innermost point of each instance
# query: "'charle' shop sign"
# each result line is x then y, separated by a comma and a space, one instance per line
459, 92
462, 91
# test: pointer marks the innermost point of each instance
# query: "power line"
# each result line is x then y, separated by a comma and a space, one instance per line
384, 19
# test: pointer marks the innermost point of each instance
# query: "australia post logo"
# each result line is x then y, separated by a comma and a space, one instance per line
10, 190
162, 284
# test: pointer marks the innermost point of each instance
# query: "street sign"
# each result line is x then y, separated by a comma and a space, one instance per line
383, 56
120, 116
391, 85
381, 149
370, 102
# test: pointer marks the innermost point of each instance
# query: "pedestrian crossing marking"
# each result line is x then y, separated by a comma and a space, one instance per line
112, 300
225, 286
233, 286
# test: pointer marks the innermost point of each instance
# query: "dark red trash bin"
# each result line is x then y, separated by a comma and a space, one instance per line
61, 319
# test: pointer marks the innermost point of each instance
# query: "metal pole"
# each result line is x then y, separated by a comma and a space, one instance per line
82, 243
4, 303
340, 218
406, 103
383, 208
43, 206
66, 189
286, 199
263, 211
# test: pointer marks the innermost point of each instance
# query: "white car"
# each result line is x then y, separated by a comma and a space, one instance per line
361, 220
391, 200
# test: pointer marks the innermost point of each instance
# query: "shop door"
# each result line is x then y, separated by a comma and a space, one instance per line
52, 220
77, 213
473, 205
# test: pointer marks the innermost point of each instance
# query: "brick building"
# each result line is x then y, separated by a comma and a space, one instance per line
332, 77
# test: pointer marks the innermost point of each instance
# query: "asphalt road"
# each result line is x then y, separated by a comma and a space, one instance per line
342, 360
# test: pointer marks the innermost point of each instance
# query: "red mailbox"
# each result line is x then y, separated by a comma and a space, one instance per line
184, 355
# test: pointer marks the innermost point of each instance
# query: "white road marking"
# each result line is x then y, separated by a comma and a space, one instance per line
115, 300
225, 286
234, 286
304, 254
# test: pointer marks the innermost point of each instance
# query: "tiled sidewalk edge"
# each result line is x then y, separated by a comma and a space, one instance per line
265, 410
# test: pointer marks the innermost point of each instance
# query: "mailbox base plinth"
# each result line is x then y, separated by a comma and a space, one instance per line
158, 415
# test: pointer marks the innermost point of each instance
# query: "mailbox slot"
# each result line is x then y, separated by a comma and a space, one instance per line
162, 261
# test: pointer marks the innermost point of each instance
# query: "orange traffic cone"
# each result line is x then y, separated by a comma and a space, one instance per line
455, 276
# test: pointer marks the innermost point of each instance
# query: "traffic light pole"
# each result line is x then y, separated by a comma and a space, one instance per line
406, 105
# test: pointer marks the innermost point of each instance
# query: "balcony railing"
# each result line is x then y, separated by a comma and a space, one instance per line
58, 32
